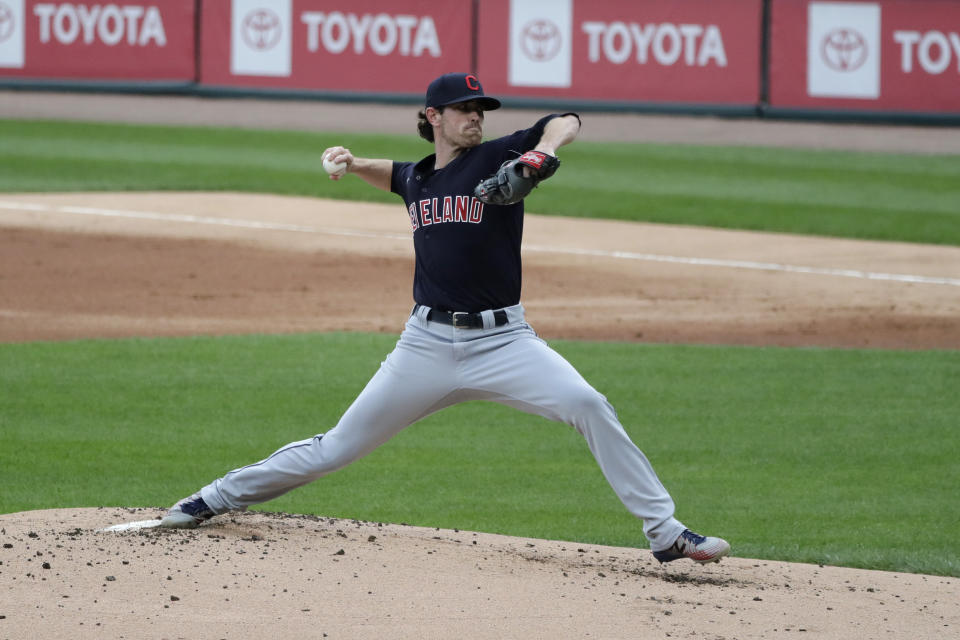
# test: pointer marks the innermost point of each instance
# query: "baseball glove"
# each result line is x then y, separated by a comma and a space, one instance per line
509, 186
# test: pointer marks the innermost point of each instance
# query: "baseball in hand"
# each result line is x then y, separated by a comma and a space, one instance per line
333, 168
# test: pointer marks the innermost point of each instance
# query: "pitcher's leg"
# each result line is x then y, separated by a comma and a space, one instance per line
408, 386
529, 375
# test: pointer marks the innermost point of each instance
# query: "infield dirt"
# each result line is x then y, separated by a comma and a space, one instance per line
274, 575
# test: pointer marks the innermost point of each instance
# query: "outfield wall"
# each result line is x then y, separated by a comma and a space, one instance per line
118, 43
881, 59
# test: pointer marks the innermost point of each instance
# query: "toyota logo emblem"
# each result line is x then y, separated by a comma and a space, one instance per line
540, 40
844, 50
7, 23
261, 29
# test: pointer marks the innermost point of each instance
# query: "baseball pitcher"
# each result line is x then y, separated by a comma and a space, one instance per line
466, 337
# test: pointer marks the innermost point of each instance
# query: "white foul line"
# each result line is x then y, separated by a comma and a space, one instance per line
761, 266
622, 255
211, 220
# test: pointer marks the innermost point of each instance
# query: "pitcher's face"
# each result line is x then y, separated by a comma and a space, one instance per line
461, 124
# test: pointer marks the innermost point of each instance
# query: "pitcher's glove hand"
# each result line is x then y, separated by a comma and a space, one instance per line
509, 186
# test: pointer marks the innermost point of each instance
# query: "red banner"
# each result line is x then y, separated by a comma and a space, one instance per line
371, 46
857, 55
129, 41
682, 51
896, 55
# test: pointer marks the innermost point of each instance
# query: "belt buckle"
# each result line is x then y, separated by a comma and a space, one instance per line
460, 320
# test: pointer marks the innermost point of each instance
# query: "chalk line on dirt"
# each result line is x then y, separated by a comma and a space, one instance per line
621, 255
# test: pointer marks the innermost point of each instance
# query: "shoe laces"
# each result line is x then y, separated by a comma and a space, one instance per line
195, 507
691, 538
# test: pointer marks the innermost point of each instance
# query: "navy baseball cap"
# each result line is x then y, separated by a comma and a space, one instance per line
452, 88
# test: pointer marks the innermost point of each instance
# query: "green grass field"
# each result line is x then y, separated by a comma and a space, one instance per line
857, 195
834, 456
843, 457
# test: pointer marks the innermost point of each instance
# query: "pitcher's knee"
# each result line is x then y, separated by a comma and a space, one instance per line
331, 453
584, 403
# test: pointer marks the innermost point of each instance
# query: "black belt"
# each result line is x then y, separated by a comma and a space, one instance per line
465, 320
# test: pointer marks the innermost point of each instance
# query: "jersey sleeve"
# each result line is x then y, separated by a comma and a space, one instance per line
526, 139
401, 171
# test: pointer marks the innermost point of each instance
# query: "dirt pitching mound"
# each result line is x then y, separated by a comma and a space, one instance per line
288, 576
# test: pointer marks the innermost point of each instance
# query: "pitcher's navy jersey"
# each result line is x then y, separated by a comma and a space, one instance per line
467, 252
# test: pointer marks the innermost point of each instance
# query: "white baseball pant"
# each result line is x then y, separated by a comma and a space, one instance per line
435, 366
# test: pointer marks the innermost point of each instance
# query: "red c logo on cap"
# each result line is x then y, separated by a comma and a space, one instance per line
472, 83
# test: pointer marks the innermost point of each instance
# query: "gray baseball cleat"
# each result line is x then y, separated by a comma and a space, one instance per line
702, 549
188, 513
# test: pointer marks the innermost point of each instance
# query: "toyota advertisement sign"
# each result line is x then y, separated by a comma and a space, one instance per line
892, 57
680, 51
895, 55
367, 46
704, 51
98, 40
